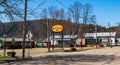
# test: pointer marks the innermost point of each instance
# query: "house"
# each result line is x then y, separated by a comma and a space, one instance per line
15, 42
98, 38
66, 40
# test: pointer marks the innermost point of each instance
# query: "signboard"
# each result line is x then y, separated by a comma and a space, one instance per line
57, 28
29, 35
100, 34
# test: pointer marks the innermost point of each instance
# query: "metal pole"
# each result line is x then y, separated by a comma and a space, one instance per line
96, 35
24, 29
110, 40
81, 44
13, 42
81, 36
29, 49
29, 44
109, 35
4, 47
53, 42
4, 44
62, 41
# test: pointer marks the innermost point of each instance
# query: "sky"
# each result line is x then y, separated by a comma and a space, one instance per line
105, 10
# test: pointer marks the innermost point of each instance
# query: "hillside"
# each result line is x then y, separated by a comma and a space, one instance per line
39, 28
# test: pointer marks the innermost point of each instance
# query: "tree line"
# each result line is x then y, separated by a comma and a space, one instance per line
76, 19
39, 28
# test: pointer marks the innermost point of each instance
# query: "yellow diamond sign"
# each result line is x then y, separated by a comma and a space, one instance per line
57, 28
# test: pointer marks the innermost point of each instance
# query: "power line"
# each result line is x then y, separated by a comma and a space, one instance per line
61, 4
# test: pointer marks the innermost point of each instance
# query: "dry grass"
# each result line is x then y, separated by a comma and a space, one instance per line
35, 51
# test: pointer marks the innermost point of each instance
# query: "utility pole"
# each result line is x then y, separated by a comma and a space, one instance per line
81, 37
109, 35
24, 28
4, 47
96, 35
48, 41
4, 35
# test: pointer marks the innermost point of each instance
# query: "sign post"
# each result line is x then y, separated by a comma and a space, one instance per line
4, 47
57, 29
29, 36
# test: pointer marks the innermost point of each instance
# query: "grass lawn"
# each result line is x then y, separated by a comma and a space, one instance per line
4, 57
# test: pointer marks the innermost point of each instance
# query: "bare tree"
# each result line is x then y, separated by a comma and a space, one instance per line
2, 1
92, 20
86, 15
44, 13
3, 28
11, 9
62, 14
16, 10
52, 12
76, 10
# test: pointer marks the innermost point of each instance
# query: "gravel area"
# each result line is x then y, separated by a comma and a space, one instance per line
103, 56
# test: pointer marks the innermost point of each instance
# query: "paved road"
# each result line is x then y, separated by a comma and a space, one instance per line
104, 56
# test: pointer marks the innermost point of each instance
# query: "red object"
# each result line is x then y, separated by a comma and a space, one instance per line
30, 45
47, 44
80, 43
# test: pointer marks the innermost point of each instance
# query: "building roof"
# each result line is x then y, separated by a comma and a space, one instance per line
87, 35
100, 34
15, 39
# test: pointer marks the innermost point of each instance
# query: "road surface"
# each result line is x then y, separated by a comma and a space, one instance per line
103, 56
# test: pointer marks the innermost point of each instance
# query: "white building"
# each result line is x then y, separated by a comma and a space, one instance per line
102, 37
89, 38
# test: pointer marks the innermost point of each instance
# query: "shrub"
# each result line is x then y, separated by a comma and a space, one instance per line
73, 49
